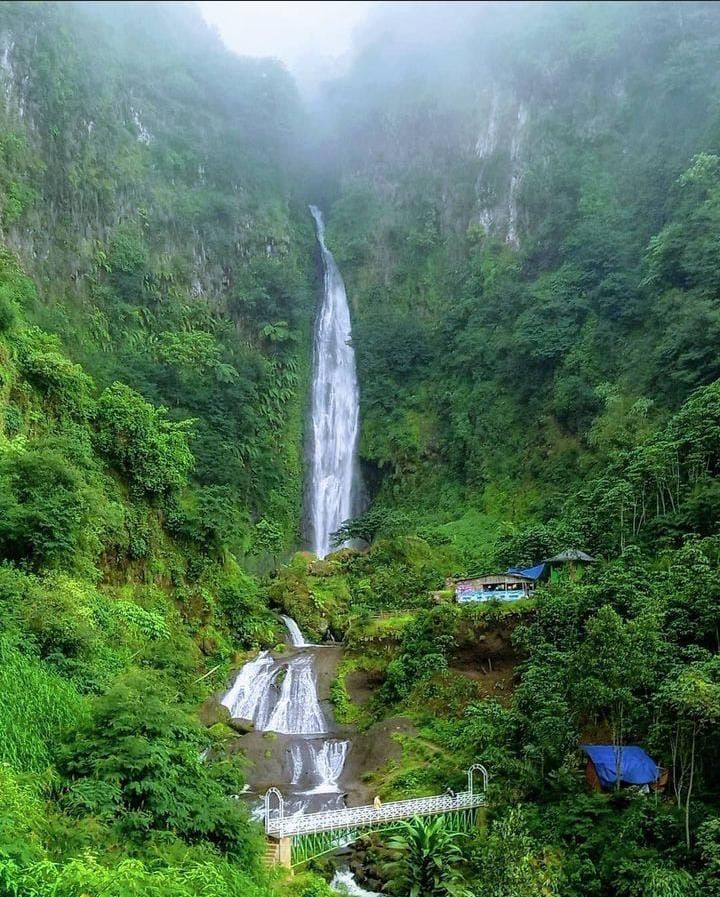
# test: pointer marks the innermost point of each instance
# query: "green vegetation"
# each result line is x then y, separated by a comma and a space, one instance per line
427, 861
154, 312
525, 210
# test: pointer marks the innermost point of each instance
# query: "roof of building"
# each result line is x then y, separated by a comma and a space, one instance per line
529, 572
635, 767
572, 554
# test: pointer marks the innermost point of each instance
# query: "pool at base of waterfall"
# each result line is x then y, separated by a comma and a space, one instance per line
344, 883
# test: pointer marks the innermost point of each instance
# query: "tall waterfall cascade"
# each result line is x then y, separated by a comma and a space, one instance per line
334, 409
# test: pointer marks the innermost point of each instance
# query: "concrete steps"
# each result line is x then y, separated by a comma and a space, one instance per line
271, 854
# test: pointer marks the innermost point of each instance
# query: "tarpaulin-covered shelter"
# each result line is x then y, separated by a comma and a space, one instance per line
610, 765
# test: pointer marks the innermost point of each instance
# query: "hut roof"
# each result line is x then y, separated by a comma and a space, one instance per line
629, 763
528, 572
572, 554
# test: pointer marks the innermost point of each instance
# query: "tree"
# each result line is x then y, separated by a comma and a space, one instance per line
365, 527
268, 539
692, 695
150, 450
137, 763
48, 513
513, 864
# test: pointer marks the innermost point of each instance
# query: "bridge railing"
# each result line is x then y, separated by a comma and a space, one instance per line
371, 816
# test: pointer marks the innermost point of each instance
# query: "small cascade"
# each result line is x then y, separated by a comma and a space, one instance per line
330, 764
251, 695
344, 884
298, 710
280, 695
297, 639
316, 765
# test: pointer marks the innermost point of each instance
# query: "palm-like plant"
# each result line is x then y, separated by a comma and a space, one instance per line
427, 865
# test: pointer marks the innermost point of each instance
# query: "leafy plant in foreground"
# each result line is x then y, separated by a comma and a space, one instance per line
428, 862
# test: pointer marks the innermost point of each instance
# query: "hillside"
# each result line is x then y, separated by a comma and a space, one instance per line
523, 201
522, 215
148, 189
156, 285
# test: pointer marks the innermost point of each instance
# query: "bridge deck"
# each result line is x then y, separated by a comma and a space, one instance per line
371, 817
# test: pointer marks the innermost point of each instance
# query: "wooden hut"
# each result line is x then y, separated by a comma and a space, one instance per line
572, 560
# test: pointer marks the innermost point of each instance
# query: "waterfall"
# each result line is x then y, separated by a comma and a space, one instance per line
280, 695
297, 639
330, 764
298, 710
334, 413
316, 766
251, 694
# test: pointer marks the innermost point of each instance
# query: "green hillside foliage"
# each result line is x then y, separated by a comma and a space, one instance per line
147, 184
154, 307
524, 209
532, 292
109, 618
524, 200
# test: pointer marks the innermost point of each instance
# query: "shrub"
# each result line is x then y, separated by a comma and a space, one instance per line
48, 513
138, 439
36, 706
137, 762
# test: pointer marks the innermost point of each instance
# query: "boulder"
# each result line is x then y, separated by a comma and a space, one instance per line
242, 726
211, 712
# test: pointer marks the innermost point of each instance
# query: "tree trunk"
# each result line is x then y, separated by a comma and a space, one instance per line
690, 786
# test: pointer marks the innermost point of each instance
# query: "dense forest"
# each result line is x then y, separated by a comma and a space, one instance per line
524, 201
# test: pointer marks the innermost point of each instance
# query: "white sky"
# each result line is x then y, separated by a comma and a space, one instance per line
292, 32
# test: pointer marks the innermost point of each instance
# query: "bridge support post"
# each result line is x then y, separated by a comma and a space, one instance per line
285, 853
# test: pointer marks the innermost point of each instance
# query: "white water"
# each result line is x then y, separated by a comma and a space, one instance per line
316, 766
334, 413
329, 762
297, 639
298, 710
250, 696
344, 883
315, 761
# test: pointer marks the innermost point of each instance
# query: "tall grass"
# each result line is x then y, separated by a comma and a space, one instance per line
36, 705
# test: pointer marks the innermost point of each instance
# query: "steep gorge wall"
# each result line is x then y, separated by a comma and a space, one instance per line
500, 184
147, 184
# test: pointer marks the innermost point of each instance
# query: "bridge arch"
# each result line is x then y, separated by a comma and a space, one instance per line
279, 809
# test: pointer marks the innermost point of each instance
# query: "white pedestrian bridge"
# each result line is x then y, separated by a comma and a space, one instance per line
306, 835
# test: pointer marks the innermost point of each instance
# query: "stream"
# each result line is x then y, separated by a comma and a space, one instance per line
279, 694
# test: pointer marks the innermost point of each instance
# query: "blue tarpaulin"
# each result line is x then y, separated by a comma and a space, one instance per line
634, 765
531, 572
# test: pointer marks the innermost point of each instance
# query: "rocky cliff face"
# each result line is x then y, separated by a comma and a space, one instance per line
105, 133
146, 185
497, 189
